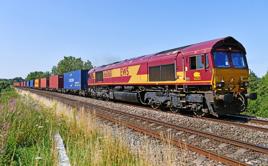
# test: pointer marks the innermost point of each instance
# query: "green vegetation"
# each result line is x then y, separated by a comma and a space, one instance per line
4, 86
70, 63
258, 107
5, 83
26, 132
27, 129
37, 74
67, 64
87, 146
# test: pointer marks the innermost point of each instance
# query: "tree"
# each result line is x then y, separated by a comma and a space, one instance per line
37, 74
70, 63
259, 107
17, 79
254, 81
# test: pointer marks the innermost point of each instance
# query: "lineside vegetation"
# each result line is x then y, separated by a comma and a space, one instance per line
27, 129
259, 85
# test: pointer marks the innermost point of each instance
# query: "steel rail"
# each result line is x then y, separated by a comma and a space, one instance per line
248, 119
258, 128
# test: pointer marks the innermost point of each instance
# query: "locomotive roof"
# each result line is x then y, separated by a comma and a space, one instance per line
210, 45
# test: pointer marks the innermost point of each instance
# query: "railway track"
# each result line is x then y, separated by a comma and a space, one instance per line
242, 122
249, 119
214, 147
235, 120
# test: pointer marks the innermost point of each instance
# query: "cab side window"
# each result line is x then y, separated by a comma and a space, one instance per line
198, 61
193, 62
99, 76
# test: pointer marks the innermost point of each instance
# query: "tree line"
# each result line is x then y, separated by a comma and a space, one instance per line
67, 64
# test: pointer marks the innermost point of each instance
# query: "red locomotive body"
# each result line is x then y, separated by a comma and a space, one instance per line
206, 77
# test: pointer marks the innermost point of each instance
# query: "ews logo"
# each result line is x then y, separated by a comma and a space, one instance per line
124, 71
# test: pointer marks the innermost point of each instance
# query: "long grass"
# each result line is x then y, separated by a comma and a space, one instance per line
28, 127
26, 132
109, 145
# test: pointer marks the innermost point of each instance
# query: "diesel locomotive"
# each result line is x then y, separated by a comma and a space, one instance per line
210, 77
207, 78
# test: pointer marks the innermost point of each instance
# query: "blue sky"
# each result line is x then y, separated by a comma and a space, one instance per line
35, 35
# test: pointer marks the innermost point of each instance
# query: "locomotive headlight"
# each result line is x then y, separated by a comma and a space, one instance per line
220, 84
244, 84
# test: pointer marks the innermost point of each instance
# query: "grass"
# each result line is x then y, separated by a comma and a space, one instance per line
28, 127
90, 143
26, 132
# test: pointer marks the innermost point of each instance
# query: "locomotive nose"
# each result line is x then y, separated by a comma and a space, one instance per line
233, 80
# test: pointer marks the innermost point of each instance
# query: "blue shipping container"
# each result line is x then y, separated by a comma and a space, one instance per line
31, 84
28, 83
75, 80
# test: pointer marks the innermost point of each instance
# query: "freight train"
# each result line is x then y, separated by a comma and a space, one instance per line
210, 77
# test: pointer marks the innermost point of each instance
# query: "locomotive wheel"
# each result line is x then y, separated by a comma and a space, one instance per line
154, 105
242, 102
197, 110
105, 97
199, 113
174, 110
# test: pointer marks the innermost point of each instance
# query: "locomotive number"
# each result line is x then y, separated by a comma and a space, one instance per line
107, 73
124, 71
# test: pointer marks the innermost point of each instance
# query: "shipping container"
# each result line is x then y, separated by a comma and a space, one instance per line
76, 80
16, 84
37, 83
27, 83
56, 82
31, 84
44, 83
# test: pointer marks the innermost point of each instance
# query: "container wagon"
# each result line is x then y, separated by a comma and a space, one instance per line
27, 83
37, 83
76, 81
31, 84
44, 83
56, 82
16, 84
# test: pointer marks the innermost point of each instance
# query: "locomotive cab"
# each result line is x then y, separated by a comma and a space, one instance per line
230, 77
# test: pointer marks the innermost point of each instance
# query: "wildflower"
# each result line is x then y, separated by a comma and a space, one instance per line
40, 127
38, 158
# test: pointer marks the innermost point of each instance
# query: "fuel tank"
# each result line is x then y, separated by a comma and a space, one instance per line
126, 96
